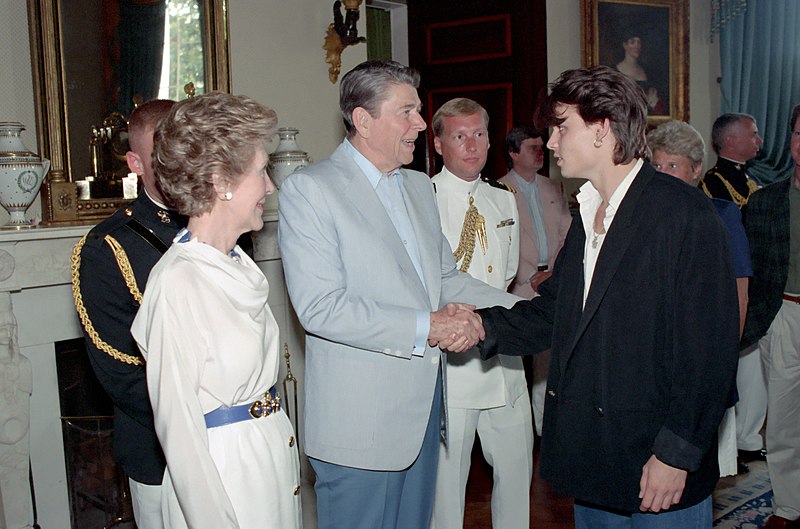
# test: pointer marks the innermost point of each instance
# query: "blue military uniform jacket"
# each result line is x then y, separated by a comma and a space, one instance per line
728, 180
107, 295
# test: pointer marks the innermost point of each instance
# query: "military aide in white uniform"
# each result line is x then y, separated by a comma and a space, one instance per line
481, 223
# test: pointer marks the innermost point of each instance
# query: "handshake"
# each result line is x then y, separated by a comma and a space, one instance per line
456, 328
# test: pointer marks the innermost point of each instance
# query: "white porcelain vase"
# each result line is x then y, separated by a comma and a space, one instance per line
21, 175
286, 159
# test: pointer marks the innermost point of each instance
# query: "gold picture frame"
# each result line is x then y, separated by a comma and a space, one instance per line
661, 63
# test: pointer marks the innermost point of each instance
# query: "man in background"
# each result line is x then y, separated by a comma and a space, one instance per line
543, 212
773, 228
735, 139
544, 221
479, 218
115, 259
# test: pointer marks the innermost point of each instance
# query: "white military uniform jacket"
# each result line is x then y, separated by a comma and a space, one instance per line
472, 383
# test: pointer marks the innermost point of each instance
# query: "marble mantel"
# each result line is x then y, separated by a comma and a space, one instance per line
35, 271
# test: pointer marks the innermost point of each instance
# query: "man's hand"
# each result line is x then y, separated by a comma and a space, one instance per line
538, 278
455, 327
661, 485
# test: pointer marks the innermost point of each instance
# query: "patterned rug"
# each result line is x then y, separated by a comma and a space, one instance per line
744, 502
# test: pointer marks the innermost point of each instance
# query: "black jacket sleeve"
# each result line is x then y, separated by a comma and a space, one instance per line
524, 329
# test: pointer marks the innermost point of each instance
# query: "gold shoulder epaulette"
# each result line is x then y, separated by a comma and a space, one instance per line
499, 185
127, 273
736, 197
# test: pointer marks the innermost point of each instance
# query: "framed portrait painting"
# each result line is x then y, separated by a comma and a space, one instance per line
646, 40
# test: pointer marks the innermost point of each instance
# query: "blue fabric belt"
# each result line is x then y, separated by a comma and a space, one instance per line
267, 405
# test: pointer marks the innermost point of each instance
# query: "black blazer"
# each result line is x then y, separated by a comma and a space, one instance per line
646, 367
767, 226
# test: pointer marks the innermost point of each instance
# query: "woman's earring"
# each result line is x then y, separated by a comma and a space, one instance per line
598, 143
227, 196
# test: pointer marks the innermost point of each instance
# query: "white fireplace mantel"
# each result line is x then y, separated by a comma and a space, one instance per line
35, 270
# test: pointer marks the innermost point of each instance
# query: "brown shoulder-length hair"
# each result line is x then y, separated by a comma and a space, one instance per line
599, 93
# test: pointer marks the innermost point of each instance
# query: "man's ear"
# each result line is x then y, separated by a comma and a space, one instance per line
605, 128
362, 121
437, 144
135, 163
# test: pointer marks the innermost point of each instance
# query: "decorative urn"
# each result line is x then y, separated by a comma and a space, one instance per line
286, 159
21, 175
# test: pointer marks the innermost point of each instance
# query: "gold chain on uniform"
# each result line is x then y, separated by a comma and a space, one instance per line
474, 227
127, 273
736, 197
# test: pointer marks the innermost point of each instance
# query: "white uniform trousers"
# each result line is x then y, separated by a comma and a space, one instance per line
506, 435
751, 410
726, 444
781, 354
540, 370
146, 501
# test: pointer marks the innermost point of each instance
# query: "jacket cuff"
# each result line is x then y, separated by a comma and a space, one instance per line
488, 346
675, 451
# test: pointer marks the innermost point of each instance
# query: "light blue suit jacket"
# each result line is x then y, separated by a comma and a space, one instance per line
356, 292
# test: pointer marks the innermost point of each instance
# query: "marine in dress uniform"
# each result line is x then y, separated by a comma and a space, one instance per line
111, 265
481, 223
734, 137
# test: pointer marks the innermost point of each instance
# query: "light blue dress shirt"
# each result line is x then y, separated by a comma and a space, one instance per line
389, 188
534, 201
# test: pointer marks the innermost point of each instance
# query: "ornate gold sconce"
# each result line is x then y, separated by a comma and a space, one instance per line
342, 32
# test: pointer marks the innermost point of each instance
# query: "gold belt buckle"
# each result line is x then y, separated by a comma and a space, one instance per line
265, 407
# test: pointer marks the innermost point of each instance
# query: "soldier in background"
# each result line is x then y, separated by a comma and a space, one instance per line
114, 261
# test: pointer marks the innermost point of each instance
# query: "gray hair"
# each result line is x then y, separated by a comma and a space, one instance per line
366, 85
678, 137
461, 107
210, 134
721, 128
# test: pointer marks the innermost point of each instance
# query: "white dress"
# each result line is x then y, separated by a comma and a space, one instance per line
210, 340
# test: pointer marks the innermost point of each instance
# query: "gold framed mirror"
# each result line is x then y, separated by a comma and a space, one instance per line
54, 81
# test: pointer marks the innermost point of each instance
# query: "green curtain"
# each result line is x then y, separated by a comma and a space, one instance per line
379, 34
760, 62
141, 39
